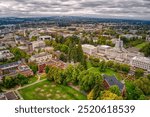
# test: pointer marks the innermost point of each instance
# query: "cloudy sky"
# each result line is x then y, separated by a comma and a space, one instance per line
133, 9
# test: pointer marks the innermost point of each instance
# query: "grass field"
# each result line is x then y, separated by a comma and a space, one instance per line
108, 72
43, 76
46, 90
32, 79
140, 46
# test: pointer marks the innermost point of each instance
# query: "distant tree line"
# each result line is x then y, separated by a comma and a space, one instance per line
132, 41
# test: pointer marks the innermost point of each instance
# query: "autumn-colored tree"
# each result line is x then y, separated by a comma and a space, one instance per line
108, 95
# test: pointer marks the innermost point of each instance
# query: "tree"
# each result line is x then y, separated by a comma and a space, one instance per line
34, 38
109, 42
9, 82
70, 57
90, 96
61, 47
55, 74
146, 50
84, 62
102, 40
1, 87
143, 97
143, 84
64, 48
58, 76
110, 64
74, 54
49, 42
21, 80
47, 69
63, 57
102, 66
132, 91
80, 55
94, 61
115, 89
76, 72
50, 75
108, 95
95, 92
19, 54
139, 73
33, 66
116, 66
148, 76
125, 68
69, 73
87, 80
72, 73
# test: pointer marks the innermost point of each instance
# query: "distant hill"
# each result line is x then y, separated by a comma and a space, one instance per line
69, 19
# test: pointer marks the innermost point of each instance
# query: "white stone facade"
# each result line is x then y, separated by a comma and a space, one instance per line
89, 49
141, 62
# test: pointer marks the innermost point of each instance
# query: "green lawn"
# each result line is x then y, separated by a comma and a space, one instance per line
43, 76
32, 79
94, 69
108, 72
140, 46
46, 90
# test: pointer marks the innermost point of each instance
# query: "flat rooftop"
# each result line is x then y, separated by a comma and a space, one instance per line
88, 46
104, 46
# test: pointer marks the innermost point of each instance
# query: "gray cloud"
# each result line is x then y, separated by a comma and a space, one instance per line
100, 8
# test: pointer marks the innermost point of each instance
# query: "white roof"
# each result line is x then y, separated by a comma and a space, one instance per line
104, 46
46, 36
88, 46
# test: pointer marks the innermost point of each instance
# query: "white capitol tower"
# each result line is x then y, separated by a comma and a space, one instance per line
119, 45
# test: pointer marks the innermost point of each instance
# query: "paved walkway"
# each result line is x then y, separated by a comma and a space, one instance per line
17, 89
18, 94
39, 77
38, 81
78, 89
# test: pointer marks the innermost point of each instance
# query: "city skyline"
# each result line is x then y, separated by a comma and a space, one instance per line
128, 9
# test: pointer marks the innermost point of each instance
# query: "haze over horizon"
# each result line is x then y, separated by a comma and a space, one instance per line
128, 9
